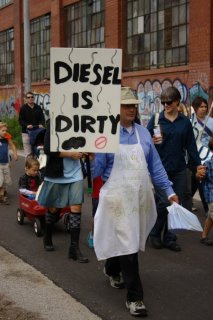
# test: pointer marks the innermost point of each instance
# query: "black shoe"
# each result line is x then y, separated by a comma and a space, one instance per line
156, 242
47, 239
173, 246
76, 255
48, 245
206, 241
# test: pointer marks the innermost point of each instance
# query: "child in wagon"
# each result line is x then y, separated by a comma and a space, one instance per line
30, 181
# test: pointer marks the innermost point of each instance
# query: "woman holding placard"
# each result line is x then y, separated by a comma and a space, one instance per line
63, 186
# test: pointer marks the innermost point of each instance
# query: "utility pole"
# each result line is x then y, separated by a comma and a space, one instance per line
27, 65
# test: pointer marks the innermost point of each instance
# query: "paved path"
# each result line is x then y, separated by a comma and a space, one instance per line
26, 294
177, 286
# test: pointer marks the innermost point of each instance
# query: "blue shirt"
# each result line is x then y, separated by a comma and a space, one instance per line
71, 172
102, 165
178, 138
4, 156
208, 182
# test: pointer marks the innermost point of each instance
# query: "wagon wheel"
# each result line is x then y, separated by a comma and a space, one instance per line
38, 227
20, 216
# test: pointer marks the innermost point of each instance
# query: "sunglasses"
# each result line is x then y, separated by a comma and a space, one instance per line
167, 102
30, 97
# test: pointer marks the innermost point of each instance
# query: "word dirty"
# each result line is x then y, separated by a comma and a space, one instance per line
86, 123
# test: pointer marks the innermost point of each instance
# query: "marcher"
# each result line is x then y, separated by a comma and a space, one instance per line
177, 139
31, 180
203, 136
208, 194
187, 197
5, 175
126, 211
31, 117
200, 106
62, 187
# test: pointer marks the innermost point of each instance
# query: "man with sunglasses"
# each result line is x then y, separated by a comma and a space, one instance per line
30, 116
177, 139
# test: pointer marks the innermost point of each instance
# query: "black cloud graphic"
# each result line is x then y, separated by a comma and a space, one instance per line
74, 143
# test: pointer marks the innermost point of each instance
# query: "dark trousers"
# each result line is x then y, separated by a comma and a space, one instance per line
179, 180
128, 265
187, 198
195, 184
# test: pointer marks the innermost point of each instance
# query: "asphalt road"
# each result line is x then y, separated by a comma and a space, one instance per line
177, 286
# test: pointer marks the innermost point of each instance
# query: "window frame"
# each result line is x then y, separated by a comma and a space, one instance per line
40, 38
85, 24
158, 22
7, 65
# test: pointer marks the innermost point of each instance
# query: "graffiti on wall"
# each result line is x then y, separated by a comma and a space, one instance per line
10, 106
43, 99
149, 93
197, 90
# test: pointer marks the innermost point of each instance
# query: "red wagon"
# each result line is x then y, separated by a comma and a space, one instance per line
34, 212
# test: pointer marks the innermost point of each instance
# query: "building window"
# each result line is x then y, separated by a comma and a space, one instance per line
4, 2
40, 48
157, 34
7, 57
85, 22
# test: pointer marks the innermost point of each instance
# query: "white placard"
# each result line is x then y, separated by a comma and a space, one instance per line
85, 99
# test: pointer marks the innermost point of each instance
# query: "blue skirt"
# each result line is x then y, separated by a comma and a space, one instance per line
61, 195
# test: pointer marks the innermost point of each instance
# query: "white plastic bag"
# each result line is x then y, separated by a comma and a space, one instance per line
181, 218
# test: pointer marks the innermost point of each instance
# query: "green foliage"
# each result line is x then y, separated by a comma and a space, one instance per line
15, 130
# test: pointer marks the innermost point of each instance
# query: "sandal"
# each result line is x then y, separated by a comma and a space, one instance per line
4, 200
206, 241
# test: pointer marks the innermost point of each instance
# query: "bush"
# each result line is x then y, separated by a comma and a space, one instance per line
15, 130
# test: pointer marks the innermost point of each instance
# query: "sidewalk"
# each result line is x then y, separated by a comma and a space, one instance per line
26, 294
20, 153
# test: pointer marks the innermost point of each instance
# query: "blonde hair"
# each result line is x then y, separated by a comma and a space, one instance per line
30, 162
3, 124
182, 108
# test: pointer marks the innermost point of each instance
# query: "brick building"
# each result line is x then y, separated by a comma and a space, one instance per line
164, 42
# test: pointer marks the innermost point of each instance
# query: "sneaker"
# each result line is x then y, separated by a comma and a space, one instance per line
206, 241
137, 308
116, 282
90, 240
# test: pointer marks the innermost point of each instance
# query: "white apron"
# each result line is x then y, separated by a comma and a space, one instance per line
126, 212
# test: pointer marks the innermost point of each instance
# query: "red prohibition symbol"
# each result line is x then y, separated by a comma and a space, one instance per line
101, 142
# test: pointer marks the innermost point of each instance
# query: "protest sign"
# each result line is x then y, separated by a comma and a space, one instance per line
85, 99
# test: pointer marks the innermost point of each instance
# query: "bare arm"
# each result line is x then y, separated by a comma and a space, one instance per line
13, 148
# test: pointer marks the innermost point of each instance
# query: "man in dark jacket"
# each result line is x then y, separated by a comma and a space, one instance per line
30, 117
